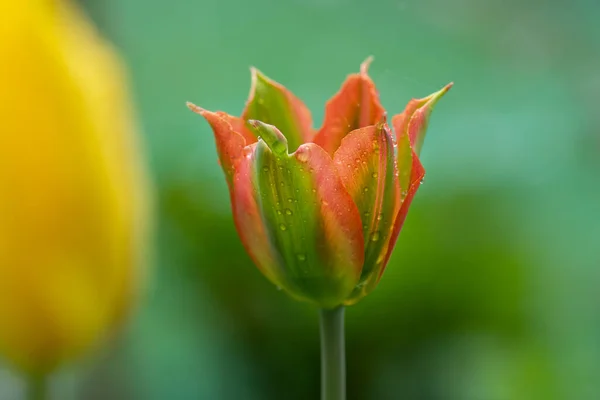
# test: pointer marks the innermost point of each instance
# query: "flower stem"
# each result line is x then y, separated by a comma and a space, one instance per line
333, 358
37, 388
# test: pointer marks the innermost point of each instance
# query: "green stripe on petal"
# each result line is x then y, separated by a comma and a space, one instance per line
246, 215
271, 103
310, 219
366, 164
236, 160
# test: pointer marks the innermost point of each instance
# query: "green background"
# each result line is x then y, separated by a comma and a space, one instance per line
492, 291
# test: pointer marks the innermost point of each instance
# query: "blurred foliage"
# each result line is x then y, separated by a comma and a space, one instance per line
491, 293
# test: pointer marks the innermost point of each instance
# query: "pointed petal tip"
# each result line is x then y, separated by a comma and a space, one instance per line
433, 98
195, 108
364, 67
269, 134
437, 95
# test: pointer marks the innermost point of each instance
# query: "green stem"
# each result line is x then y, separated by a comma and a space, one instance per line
37, 388
333, 358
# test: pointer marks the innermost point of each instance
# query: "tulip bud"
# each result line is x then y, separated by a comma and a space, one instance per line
72, 187
319, 212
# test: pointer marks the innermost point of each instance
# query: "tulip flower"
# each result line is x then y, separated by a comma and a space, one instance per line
72, 187
319, 212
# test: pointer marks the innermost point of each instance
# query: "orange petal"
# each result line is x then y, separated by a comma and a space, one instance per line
355, 106
231, 137
415, 117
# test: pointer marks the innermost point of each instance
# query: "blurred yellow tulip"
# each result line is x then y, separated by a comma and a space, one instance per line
73, 192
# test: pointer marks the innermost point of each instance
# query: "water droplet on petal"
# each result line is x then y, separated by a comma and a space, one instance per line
366, 189
278, 212
375, 236
374, 174
301, 257
288, 212
366, 213
314, 190
302, 154
422, 181
379, 217
290, 200
283, 227
266, 169
324, 202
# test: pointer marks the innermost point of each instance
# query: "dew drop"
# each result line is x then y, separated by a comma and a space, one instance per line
283, 227
366, 189
288, 212
278, 212
375, 236
266, 169
301, 257
379, 217
357, 160
374, 174
422, 181
290, 200
366, 214
314, 190
302, 154
324, 202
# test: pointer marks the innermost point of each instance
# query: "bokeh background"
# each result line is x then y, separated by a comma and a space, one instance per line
493, 290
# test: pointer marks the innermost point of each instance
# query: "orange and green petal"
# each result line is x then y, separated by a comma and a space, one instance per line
355, 106
310, 219
235, 160
271, 103
366, 164
415, 117
417, 174
231, 136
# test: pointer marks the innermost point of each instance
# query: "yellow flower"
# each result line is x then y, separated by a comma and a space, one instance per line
72, 188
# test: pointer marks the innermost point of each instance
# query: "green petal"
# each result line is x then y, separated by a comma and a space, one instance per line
271, 103
310, 219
